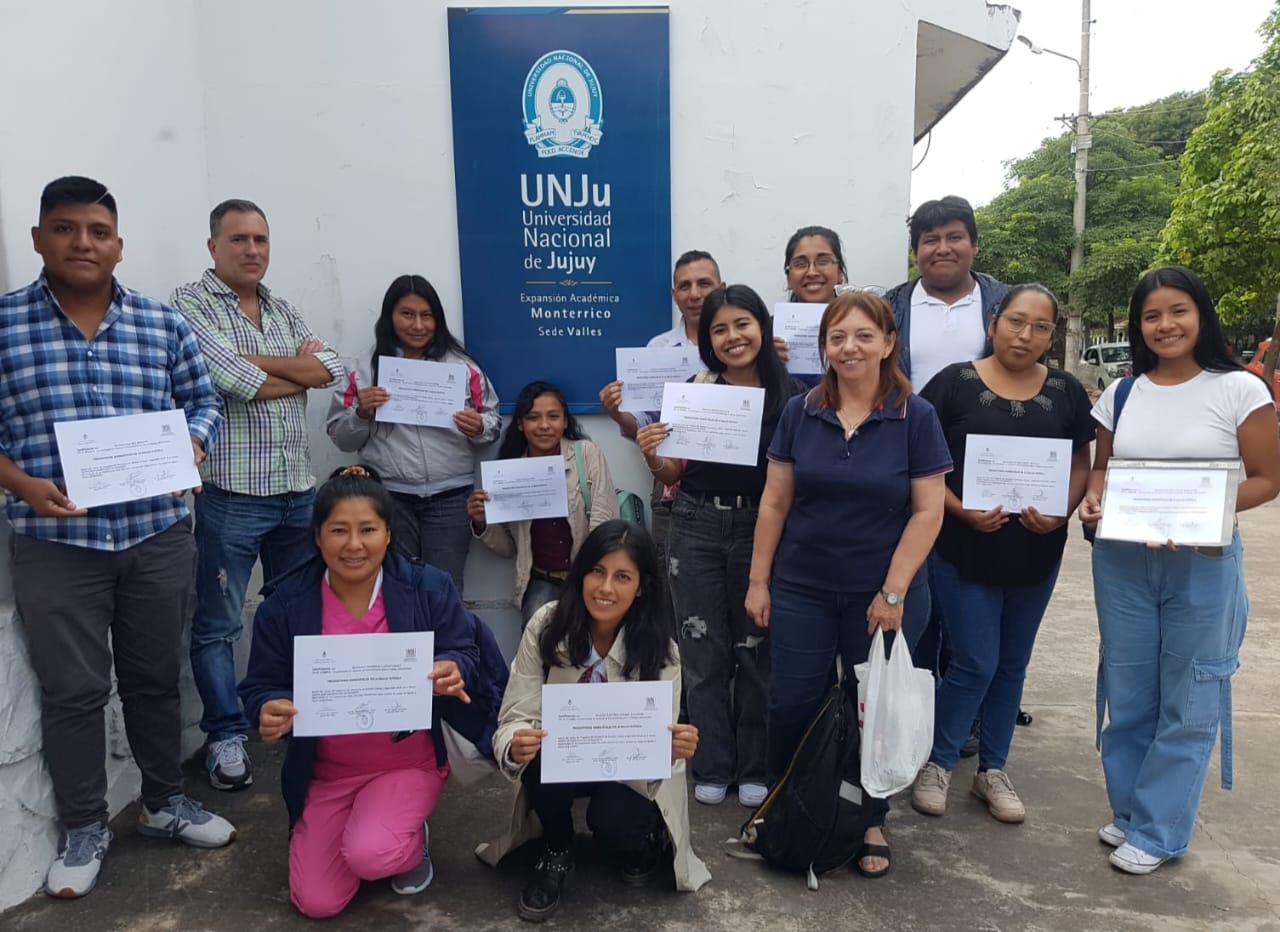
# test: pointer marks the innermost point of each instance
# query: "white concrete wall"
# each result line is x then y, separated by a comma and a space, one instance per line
334, 116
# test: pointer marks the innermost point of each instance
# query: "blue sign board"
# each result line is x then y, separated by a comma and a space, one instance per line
562, 162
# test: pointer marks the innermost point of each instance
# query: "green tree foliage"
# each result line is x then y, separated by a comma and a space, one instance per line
1027, 232
1225, 222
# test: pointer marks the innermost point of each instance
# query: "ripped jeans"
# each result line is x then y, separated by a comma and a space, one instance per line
724, 657
1171, 626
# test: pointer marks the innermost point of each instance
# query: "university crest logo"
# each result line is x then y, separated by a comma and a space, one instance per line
562, 106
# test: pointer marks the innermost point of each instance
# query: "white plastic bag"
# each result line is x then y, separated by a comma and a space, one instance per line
897, 732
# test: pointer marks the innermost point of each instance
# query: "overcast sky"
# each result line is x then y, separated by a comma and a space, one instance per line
1140, 50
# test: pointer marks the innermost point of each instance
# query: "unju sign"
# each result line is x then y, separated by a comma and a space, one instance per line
562, 162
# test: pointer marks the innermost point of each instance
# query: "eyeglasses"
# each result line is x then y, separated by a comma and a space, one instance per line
1016, 324
801, 263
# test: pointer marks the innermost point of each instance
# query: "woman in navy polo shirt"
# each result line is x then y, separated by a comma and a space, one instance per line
993, 571
851, 508
725, 659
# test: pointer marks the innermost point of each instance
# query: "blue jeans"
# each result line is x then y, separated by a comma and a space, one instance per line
991, 632
1171, 626
724, 657
808, 628
232, 532
435, 530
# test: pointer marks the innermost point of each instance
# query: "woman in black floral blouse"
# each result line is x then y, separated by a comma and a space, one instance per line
994, 571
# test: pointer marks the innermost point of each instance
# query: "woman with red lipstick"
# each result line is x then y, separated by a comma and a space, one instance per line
724, 656
428, 470
544, 548
994, 571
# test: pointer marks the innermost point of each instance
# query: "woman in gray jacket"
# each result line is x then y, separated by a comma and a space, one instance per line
428, 470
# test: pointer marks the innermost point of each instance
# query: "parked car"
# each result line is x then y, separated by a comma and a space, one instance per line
1102, 363
1255, 365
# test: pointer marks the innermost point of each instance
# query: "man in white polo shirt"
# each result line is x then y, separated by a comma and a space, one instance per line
942, 316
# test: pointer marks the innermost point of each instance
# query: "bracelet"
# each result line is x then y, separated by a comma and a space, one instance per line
662, 464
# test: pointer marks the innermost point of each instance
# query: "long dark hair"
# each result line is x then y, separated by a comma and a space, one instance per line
351, 482
514, 443
646, 628
769, 367
879, 310
384, 331
1210, 352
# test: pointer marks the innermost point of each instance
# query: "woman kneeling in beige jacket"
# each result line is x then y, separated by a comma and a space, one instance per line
611, 625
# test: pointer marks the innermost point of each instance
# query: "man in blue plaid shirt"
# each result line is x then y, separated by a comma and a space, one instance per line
113, 580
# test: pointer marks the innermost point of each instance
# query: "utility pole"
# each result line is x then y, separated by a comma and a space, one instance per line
1083, 141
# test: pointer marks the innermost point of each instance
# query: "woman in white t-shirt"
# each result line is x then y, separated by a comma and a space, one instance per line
1171, 618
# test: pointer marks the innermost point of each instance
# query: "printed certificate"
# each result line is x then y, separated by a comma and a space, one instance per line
524, 489
423, 392
798, 325
122, 459
1191, 502
645, 371
1015, 472
606, 731
712, 423
348, 684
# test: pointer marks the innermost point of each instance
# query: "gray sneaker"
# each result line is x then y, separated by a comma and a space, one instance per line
419, 877
228, 764
80, 852
186, 820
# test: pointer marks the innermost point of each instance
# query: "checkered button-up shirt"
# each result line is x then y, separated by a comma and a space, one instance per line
143, 358
264, 449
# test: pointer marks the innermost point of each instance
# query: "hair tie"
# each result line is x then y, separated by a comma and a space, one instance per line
354, 471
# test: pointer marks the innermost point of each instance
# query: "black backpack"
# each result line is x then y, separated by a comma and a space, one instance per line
814, 819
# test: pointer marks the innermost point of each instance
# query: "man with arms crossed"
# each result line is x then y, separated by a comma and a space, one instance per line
258, 486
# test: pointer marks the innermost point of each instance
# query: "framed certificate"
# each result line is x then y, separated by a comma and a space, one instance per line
1190, 502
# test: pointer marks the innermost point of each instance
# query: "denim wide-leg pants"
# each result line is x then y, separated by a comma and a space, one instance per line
1171, 625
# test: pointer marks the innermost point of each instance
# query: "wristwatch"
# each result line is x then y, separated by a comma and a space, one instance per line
891, 597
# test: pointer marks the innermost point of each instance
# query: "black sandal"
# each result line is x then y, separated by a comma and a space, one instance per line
869, 850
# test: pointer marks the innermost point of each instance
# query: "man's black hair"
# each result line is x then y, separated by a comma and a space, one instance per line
75, 189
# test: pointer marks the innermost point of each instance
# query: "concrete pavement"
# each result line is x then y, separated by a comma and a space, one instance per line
963, 871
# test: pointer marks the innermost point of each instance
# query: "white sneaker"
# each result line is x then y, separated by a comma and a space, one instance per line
1132, 860
710, 794
186, 820
752, 795
1110, 835
419, 877
929, 791
80, 852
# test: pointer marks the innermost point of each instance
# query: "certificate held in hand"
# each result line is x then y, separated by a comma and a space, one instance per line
606, 731
1189, 502
107, 460
524, 489
423, 392
350, 684
712, 423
